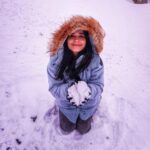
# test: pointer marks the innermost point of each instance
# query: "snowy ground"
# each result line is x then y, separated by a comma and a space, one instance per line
28, 120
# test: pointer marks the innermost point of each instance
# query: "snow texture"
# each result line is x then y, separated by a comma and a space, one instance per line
28, 117
79, 93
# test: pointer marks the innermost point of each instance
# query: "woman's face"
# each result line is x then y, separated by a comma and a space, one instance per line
76, 42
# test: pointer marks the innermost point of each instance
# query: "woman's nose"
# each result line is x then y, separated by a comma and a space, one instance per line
76, 39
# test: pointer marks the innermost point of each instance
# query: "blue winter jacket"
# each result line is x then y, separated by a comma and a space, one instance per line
93, 75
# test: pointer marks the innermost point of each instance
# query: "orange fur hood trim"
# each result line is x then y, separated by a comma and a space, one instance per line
89, 24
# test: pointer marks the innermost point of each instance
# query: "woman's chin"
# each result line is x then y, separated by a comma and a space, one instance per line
77, 50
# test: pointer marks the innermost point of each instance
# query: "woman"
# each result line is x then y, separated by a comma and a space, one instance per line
75, 72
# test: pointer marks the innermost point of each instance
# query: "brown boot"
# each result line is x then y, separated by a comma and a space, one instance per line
83, 126
65, 124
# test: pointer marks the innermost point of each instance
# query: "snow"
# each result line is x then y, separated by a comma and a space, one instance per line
28, 118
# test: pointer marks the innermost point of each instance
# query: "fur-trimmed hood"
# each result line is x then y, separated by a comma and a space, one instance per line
89, 24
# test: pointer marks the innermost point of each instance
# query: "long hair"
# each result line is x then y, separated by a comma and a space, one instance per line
69, 60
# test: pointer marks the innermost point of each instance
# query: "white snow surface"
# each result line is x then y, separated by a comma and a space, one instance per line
28, 118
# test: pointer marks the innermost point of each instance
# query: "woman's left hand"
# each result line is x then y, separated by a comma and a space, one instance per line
84, 91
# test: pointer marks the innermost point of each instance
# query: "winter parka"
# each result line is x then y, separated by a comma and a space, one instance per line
93, 75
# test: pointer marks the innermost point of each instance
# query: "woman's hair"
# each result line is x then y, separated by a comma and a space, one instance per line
68, 61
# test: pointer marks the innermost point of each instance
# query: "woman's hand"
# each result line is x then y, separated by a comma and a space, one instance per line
79, 93
73, 95
84, 91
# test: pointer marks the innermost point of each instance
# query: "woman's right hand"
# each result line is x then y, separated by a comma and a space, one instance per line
73, 95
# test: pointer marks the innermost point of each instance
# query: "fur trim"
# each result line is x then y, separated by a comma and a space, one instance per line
78, 22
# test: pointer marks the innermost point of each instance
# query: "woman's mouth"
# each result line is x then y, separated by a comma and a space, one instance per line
76, 45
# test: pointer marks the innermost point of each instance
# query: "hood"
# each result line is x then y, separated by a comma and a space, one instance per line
89, 24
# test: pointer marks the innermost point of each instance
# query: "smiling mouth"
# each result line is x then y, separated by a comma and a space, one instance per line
76, 45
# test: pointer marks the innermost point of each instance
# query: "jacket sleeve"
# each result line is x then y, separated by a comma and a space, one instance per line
57, 87
96, 82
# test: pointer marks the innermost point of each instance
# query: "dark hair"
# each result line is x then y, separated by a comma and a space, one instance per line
68, 61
